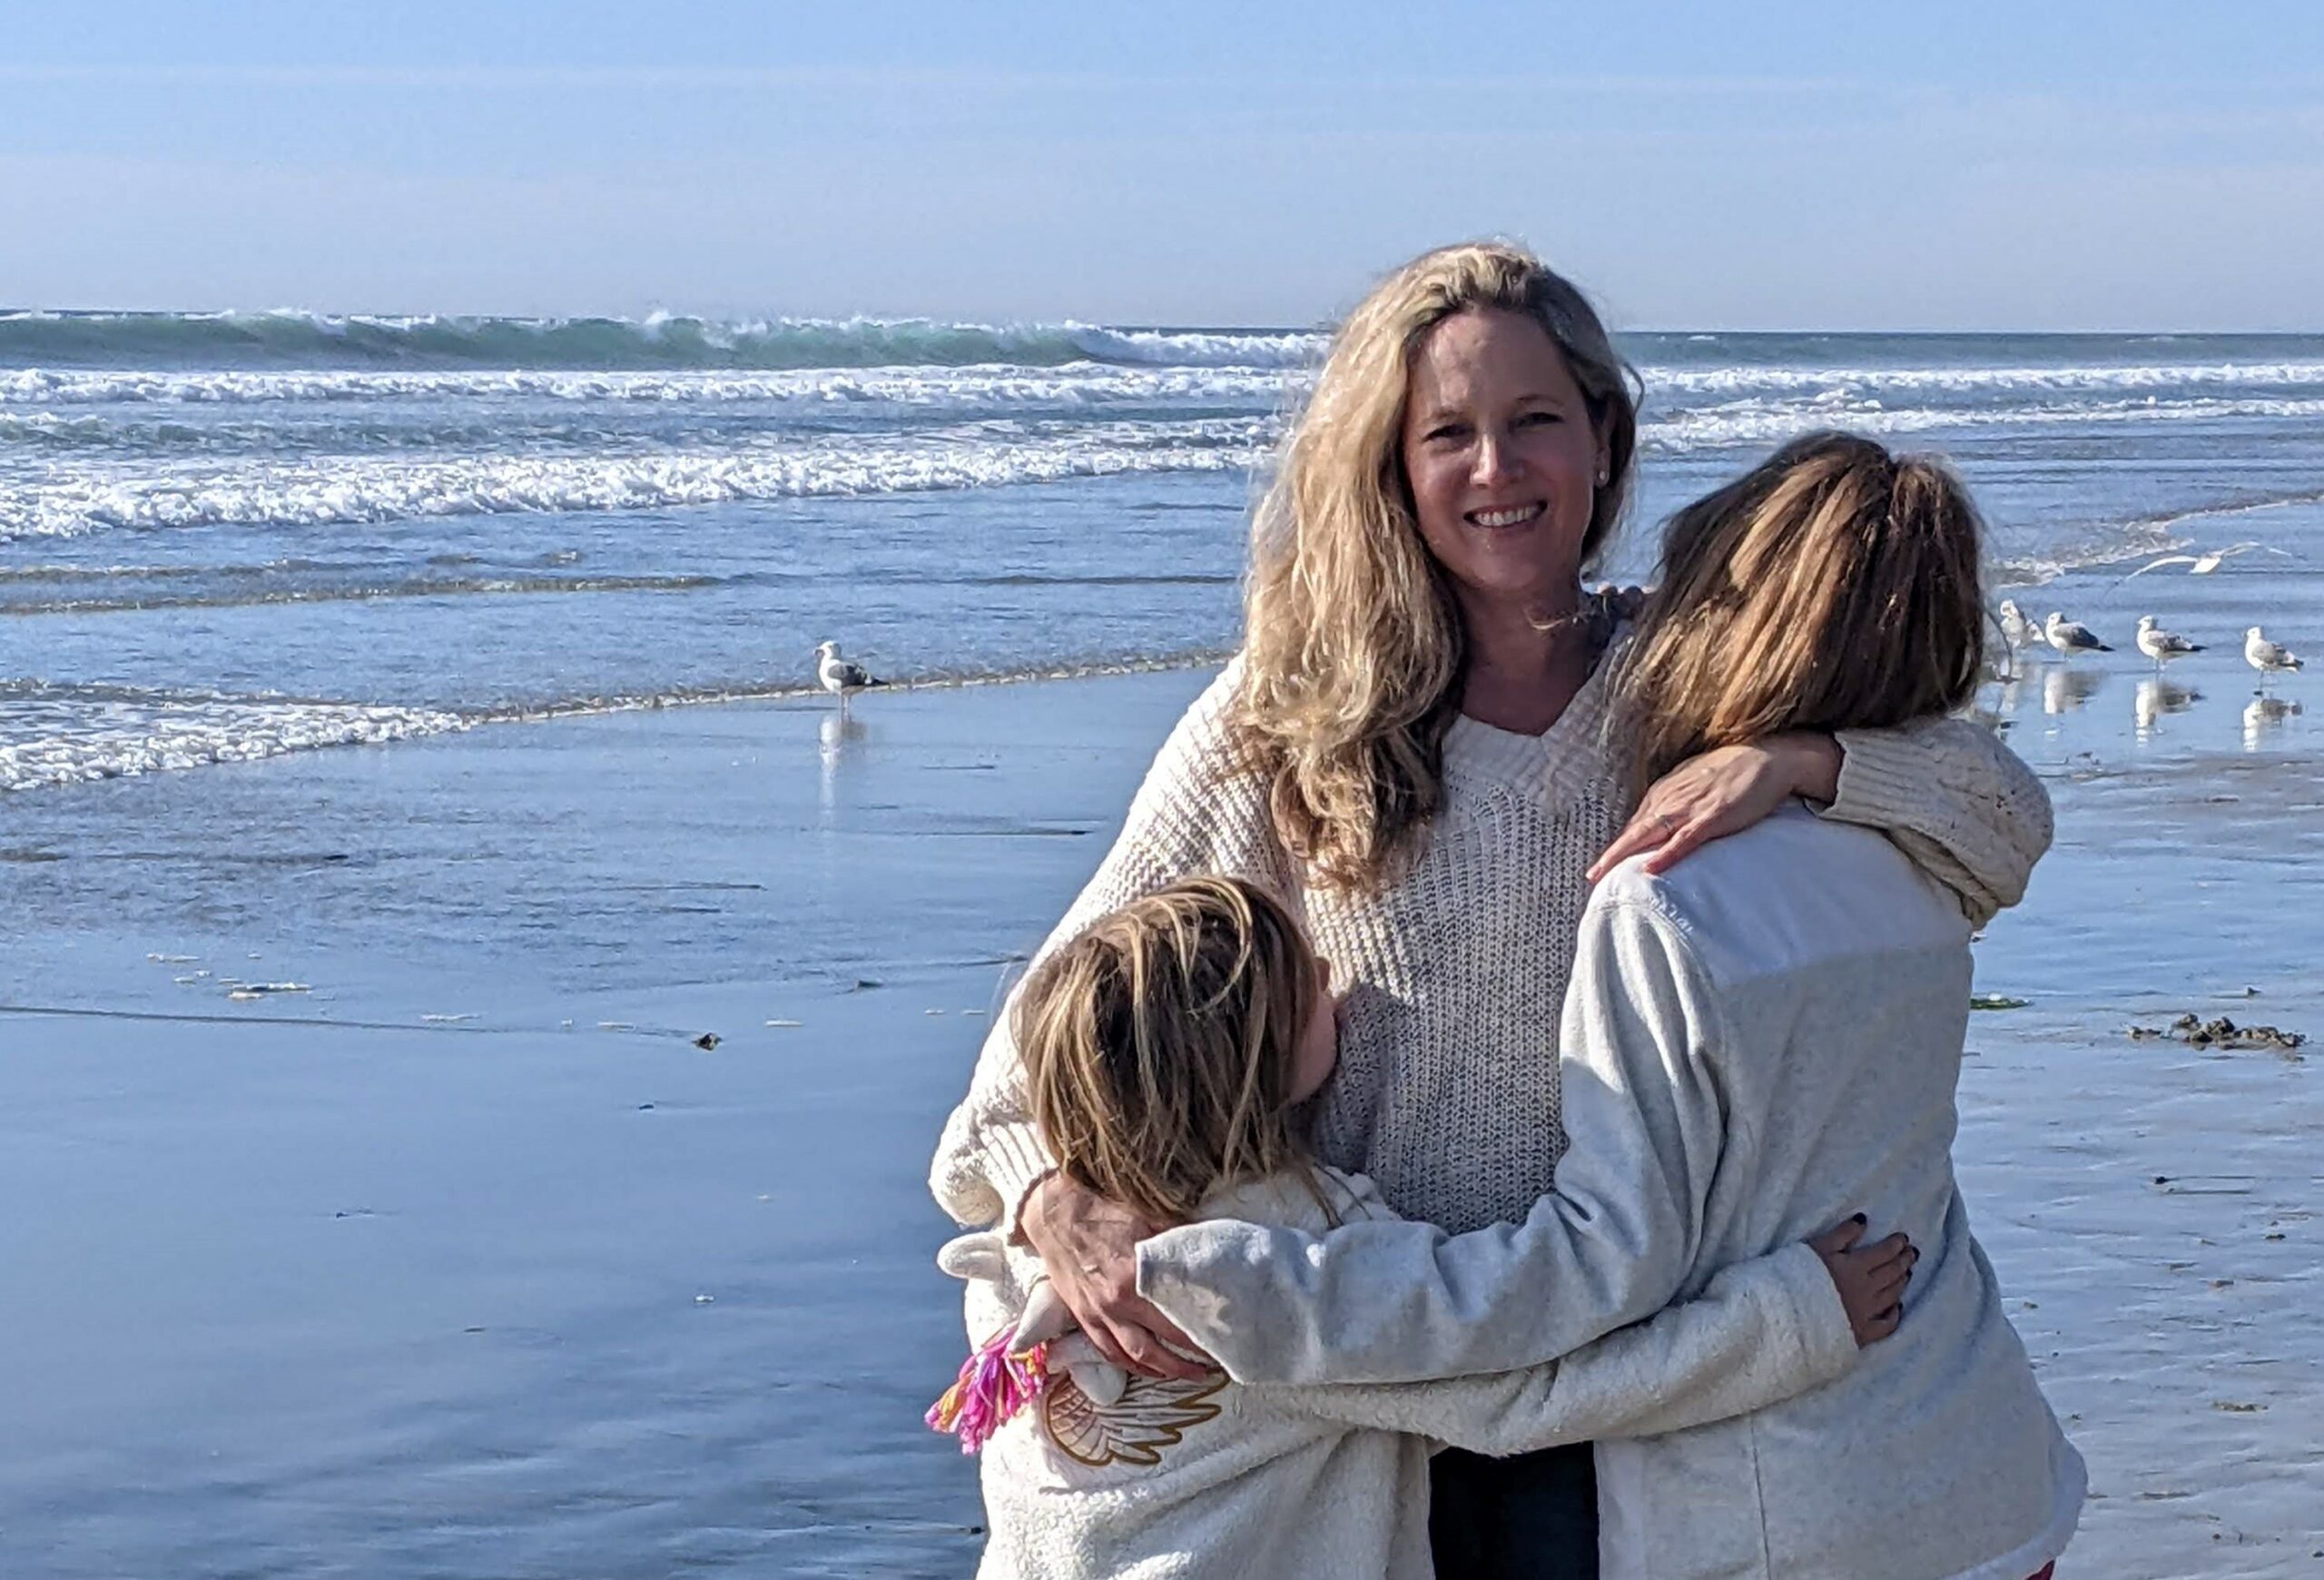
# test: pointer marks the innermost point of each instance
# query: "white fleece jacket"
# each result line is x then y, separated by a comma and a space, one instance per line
1213, 1481
1759, 1041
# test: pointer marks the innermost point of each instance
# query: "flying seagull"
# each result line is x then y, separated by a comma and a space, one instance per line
2159, 645
2207, 561
2070, 638
2267, 657
840, 676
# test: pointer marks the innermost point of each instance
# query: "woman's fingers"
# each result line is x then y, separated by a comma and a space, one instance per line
1683, 841
1101, 1339
1151, 1358
1644, 831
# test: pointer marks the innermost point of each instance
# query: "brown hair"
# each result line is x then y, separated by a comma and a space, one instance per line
1832, 587
1158, 1045
1354, 647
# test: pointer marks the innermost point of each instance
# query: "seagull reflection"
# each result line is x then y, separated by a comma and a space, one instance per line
2264, 715
2064, 690
835, 733
2157, 697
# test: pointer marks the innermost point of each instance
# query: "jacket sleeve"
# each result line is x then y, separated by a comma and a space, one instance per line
1762, 1332
1191, 815
1614, 1241
1956, 800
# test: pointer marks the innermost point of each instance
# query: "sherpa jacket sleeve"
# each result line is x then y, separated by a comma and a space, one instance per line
1191, 815
1617, 1237
1955, 799
1763, 1330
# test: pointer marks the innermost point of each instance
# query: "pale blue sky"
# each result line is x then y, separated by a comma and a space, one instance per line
1971, 164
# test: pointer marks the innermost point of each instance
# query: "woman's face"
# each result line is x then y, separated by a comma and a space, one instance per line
1501, 457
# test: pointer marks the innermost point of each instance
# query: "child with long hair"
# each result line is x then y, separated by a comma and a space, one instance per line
1169, 1049
1771, 1028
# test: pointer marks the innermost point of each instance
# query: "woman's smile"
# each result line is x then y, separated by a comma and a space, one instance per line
1507, 516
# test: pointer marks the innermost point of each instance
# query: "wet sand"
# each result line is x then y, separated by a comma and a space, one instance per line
467, 1260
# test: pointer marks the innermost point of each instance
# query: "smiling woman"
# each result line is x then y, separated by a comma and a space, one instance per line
1504, 455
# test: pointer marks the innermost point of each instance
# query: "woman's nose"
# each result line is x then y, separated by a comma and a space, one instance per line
1492, 462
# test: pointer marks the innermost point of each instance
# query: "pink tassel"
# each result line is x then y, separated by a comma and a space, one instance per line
993, 1386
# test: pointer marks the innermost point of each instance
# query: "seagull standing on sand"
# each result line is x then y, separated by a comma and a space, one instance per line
2159, 645
841, 678
2070, 638
2267, 657
2015, 628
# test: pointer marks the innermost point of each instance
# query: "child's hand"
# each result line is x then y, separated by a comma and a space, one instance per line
1871, 1280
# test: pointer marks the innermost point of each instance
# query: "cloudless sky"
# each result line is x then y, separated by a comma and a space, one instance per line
1968, 164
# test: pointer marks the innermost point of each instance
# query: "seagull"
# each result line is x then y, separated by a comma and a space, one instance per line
2267, 657
2015, 628
2160, 644
2071, 638
2207, 561
840, 676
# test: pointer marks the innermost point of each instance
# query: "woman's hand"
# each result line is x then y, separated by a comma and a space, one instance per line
1724, 791
1871, 1280
1089, 1247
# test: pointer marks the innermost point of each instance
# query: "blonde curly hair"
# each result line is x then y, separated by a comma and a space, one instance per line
1354, 646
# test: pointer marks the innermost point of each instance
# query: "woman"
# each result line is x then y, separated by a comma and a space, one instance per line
1410, 747
1773, 1028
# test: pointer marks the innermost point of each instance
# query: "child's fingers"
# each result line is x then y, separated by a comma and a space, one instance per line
1888, 1284
1839, 1237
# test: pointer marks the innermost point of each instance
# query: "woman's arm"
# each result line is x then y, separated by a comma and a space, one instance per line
1764, 1331
1955, 799
1407, 1302
1963, 806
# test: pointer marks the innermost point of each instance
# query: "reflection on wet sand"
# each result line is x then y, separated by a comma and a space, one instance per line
834, 735
2263, 717
2065, 689
2157, 697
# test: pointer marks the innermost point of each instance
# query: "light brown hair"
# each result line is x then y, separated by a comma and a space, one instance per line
1158, 1045
1354, 648
1833, 587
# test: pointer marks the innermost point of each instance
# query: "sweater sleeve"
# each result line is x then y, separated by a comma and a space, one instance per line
1763, 1331
1613, 1243
1956, 800
1190, 815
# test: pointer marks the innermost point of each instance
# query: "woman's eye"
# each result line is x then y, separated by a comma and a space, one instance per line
1452, 432
1536, 418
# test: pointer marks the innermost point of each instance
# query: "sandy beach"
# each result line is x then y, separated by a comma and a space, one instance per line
383, 1211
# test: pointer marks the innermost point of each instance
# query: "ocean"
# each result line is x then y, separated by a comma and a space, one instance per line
226, 536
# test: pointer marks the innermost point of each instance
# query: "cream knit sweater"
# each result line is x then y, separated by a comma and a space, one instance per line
1447, 1094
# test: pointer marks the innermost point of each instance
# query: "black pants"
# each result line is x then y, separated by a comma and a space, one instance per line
1531, 1518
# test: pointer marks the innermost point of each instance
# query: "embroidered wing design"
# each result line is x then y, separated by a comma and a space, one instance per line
1152, 1415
